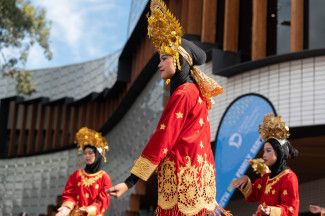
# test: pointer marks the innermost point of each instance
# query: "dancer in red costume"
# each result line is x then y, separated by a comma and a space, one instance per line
180, 147
84, 193
277, 190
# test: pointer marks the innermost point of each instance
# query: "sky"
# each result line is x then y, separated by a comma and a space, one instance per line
81, 30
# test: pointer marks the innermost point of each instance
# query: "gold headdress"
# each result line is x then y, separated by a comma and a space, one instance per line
86, 136
166, 34
273, 127
164, 30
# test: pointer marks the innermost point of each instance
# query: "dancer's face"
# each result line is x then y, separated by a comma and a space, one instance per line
167, 67
269, 155
89, 156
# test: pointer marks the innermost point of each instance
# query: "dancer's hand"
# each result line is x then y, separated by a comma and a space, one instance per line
63, 211
118, 190
264, 210
314, 209
83, 210
241, 182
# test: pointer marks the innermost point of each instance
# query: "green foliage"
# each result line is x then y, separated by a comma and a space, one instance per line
21, 26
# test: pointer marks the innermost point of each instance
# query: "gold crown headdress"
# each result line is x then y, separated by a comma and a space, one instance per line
273, 127
86, 136
166, 34
164, 30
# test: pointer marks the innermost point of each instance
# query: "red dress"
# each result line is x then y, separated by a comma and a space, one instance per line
181, 152
280, 193
87, 190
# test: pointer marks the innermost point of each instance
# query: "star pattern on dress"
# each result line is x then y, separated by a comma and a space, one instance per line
285, 192
273, 192
200, 159
259, 186
268, 189
165, 150
179, 115
162, 126
201, 145
201, 122
200, 100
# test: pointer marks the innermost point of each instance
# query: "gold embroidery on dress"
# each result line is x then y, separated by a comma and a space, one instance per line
195, 189
143, 168
209, 190
89, 179
274, 180
167, 184
188, 194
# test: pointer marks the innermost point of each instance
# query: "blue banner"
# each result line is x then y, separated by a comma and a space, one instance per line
238, 141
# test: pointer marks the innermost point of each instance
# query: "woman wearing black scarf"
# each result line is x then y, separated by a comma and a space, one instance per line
179, 148
93, 159
84, 193
276, 190
177, 79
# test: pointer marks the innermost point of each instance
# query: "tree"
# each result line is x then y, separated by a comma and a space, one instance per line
21, 26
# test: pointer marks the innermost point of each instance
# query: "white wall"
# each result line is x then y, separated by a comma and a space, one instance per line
295, 88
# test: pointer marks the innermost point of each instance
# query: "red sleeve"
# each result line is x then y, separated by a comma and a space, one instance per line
254, 192
69, 194
289, 197
165, 136
101, 202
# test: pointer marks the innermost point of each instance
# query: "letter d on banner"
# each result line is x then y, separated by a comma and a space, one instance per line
238, 141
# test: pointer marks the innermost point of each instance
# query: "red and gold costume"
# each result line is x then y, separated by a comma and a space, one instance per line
87, 190
180, 149
85, 193
280, 193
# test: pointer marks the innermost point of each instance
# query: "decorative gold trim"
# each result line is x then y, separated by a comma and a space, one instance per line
68, 204
247, 190
143, 168
167, 184
91, 210
91, 175
195, 189
89, 179
275, 211
274, 180
286, 171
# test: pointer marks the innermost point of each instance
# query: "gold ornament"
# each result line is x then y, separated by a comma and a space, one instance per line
166, 34
259, 166
209, 88
273, 127
86, 136
164, 30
